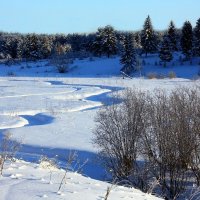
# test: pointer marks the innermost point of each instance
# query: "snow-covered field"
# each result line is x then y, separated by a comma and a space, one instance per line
53, 114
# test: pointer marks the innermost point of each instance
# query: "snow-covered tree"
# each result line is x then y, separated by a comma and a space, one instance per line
31, 47
187, 39
45, 47
97, 44
20, 46
129, 57
197, 38
138, 44
165, 53
148, 37
105, 42
8, 47
172, 35
61, 50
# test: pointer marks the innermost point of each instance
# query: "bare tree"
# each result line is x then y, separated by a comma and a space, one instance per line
8, 149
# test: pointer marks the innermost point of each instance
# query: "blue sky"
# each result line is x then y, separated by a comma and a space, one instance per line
68, 16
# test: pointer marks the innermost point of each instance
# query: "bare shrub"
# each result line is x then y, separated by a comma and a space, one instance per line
160, 145
8, 149
152, 75
61, 58
10, 73
119, 127
69, 160
62, 68
160, 76
163, 128
170, 138
72, 164
172, 74
49, 164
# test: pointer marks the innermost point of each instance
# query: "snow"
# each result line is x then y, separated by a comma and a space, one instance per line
23, 180
53, 114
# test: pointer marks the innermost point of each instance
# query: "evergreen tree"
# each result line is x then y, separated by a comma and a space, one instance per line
7, 48
97, 44
197, 38
106, 41
34, 47
148, 37
138, 41
165, 53
187, 39
172, 35
76, 42
20, 46
45, 47
129, 57
31, 47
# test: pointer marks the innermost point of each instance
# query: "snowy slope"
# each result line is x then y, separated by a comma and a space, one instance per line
104, 67
23, 180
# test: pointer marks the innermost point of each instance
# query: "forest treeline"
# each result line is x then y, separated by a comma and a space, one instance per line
106, 41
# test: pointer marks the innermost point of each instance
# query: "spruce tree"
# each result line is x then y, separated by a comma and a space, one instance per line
106, 41
31, 47
172, 35
148, 37
187, 39
197, 38
45, 47
138, 44
165, 53
97, 44
8, 48
129, 56
20, 46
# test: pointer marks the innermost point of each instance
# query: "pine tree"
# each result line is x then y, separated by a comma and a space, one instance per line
97, 44
34, 47
148, 37
172, 35
105, 42
197, 38
165, 53
187, 39
129, 56
8, 48
20, 46
31, 47
138, 41
45, 47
